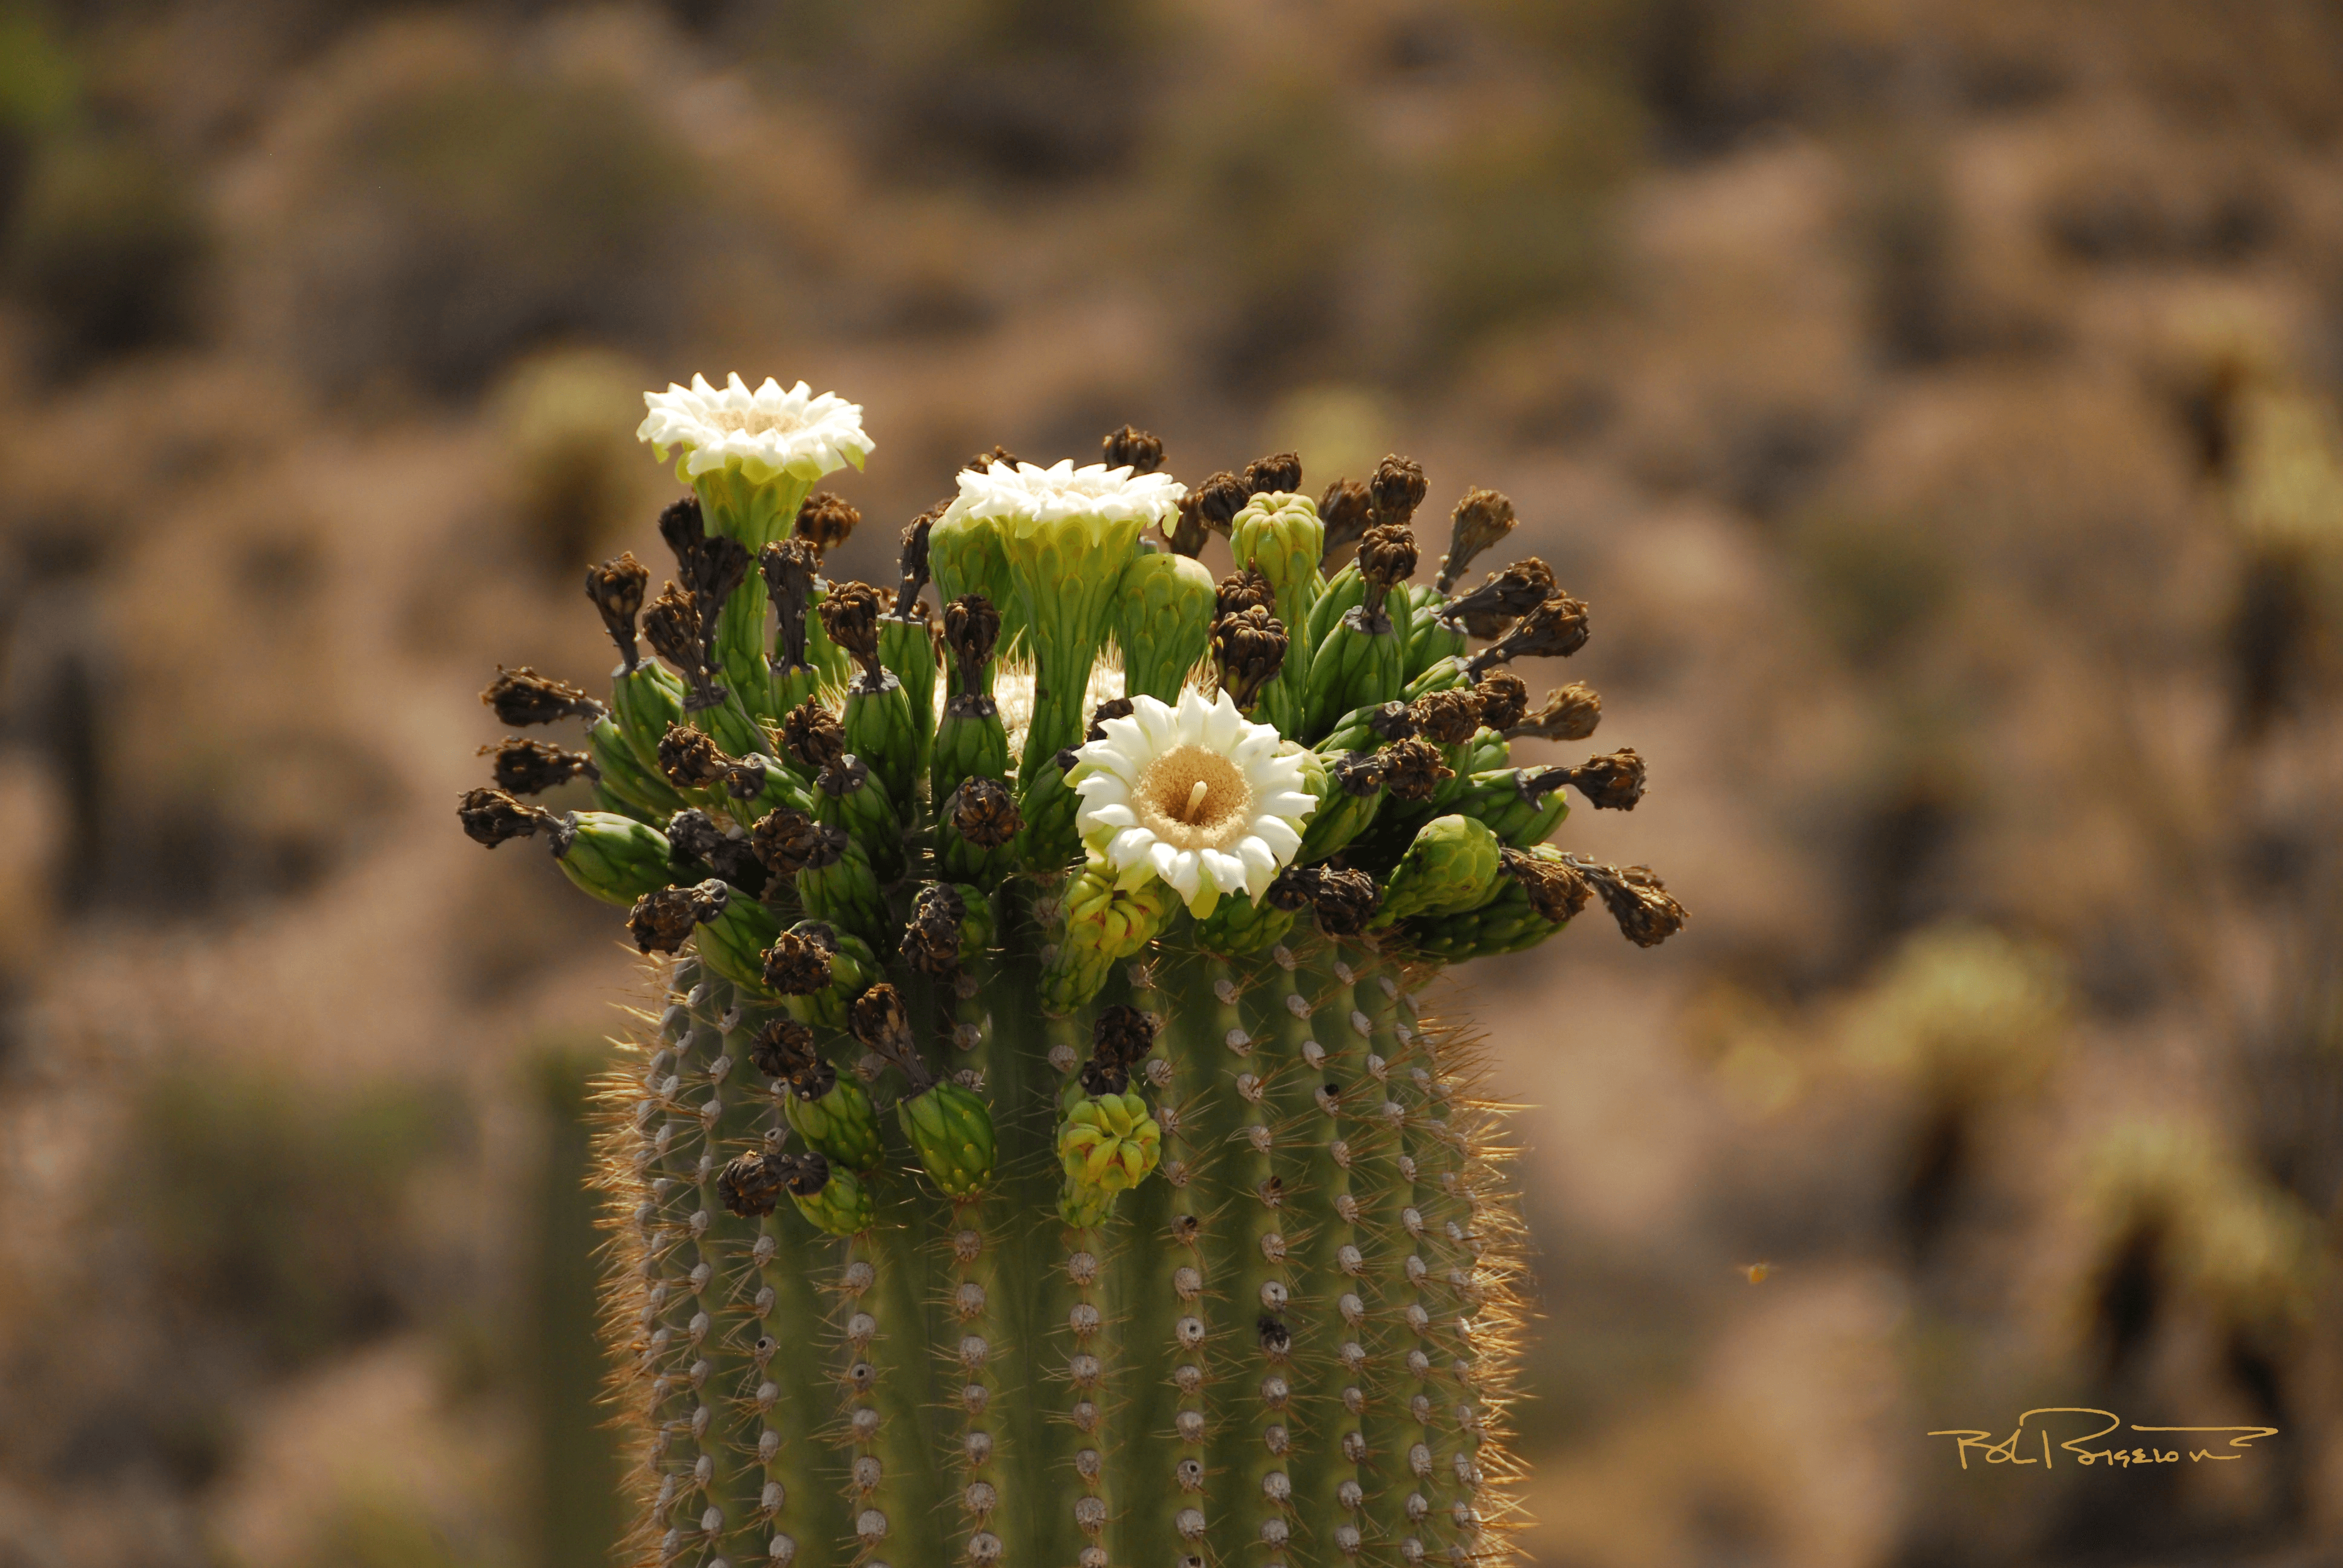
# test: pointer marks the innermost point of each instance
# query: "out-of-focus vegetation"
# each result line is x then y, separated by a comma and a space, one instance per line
1938, 403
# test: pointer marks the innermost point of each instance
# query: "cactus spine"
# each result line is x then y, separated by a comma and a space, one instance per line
1036, 1155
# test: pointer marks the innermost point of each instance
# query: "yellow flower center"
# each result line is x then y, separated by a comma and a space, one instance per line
756, 421
1194, 798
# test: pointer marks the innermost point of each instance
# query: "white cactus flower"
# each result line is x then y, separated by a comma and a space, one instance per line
1195, 796
1024, 494
765, 433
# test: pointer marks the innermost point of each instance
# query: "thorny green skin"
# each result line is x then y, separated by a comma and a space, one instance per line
1289, 1343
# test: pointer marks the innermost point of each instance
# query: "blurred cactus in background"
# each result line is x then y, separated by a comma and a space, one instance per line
1038, 1153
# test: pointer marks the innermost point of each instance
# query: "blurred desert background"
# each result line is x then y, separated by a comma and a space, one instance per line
1936, 399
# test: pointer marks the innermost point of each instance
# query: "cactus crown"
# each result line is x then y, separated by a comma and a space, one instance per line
1038, 1155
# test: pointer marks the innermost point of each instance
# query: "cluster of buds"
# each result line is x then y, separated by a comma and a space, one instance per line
932, 861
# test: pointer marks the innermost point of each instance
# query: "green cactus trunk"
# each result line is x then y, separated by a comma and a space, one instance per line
977, 1195
1226, 1360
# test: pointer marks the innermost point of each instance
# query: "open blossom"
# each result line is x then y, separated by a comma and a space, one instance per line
1024, 493
766, 433
1195, 796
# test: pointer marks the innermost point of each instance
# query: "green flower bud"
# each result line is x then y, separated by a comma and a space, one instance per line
831, 1197
840, 1122
976, 829
951, 1130
849, 796
1082, 1207
1107, 1142
1050, 838
880, 731
1523, 805
818, 970
1164, 618
733, 944
646, 701
1279, 534
616, 858
1341, 595
965, 556
1430, 640
1099, 924
626, 785
1536, 894
1238, 926
908, 649
1451, 865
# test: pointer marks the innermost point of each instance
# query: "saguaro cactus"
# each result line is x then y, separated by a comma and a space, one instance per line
1040, 1155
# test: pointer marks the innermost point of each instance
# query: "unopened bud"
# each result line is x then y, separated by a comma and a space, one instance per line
1133, 449
521, 697
1571, 713
1479, 521
825, 520
616, 588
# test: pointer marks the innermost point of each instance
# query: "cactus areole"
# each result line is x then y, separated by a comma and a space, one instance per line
1038, 1155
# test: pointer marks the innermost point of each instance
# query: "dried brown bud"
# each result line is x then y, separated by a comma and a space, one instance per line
971, 630
1242, 590
1278, 473
1516, 590
1393, 721
784, 1049
825, 520
1504, 698
1386, 559
750, 1184
1556, 889
491, 816
1413, 769
1571, 713
813, 736
1348, 511
522, 698
1249, 647
1219, 498
983, 811
1387, 556
1112, 708
691, 760
1396, 490
879, 1020
985, 461
1124, 1035
911, 575
805, 1175
1554, 629
1345, 901
1133, 449
850, 613
1612, 782
790, 567
1646, 914
661, 921
797, 963
672, 625
1097, 1078
683, 527
931, 938
616, 588
1446, 718
1479, 521
786, 841
1187, 534
1358, 774
529, 766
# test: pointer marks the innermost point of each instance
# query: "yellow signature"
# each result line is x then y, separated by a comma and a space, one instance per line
2018, 1448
